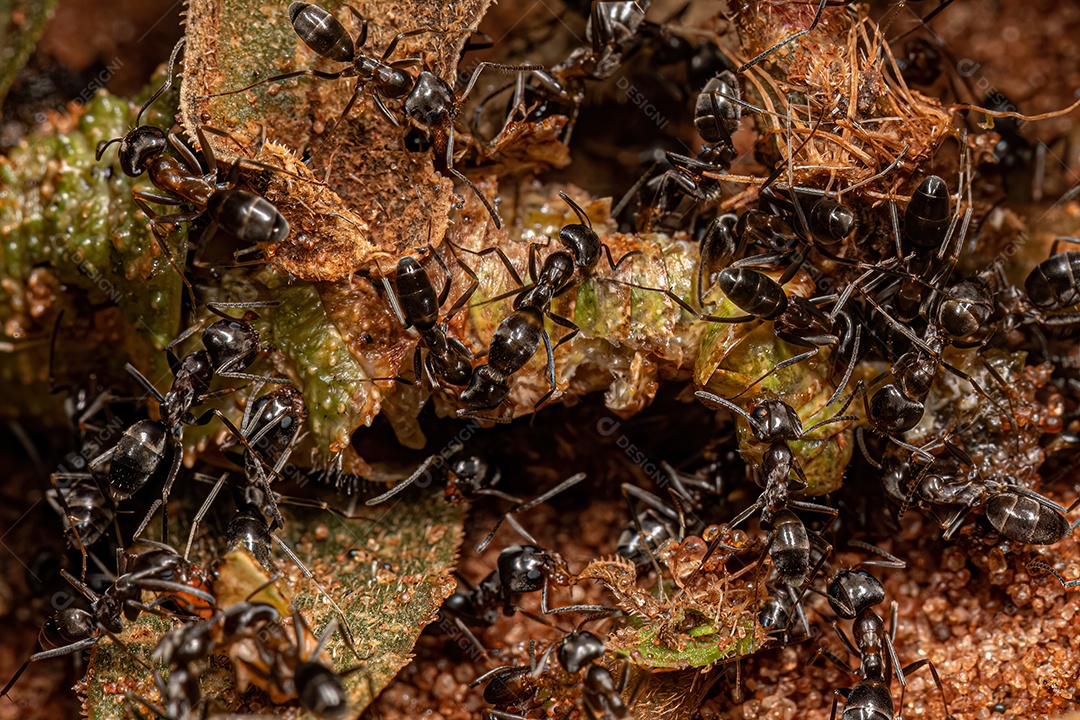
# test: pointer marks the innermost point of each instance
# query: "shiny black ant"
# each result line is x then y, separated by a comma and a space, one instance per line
577, 651
613, 30
269, 430
249, 217
415, 303
281, 659
1013, 511
853, 593
776, 423
231, 347
157, 569
249, 529
427, 100
520, 569
519, 335
717, 114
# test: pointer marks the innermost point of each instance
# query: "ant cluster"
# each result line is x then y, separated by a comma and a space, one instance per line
844, 305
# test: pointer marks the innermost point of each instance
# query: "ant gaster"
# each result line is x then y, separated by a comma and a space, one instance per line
853, 593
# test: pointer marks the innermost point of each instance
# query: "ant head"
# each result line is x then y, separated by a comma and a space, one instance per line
580, 238
320, 691
773, 419
578, 649
431, 101
475, 473
523, 568
851, 591
232, 345
137, 148
893, 411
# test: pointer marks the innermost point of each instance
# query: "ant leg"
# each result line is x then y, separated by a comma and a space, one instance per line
822, 652
211, 160
848, 645
890, 640
937, 681
417, 474
527, 67
780, 366
474, 284
190, 159
744, 515
168, 80
814, 507
1043, 568
524, 507
218, 307
550, 368
850, 368
141, 199
385, 110
202, 512
346, 631
837, 694
827, 421
150, 389
408, 34
340, 119
448, 130
615, 265
568, 324
686, 306
277, 78
67, 649
15, 678
502, 258
889, 561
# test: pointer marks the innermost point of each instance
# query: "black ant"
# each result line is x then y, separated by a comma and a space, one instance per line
427, 100
281, 663
520, 569
269, 430
231, 346
519, 335
415, 303
775, 422
853, 593
1013, 511
579, 650
158, 569
249, 217
717, 114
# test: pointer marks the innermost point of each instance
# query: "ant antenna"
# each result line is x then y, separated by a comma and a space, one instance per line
582, 215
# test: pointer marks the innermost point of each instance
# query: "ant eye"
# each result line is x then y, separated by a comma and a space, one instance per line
760, 413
